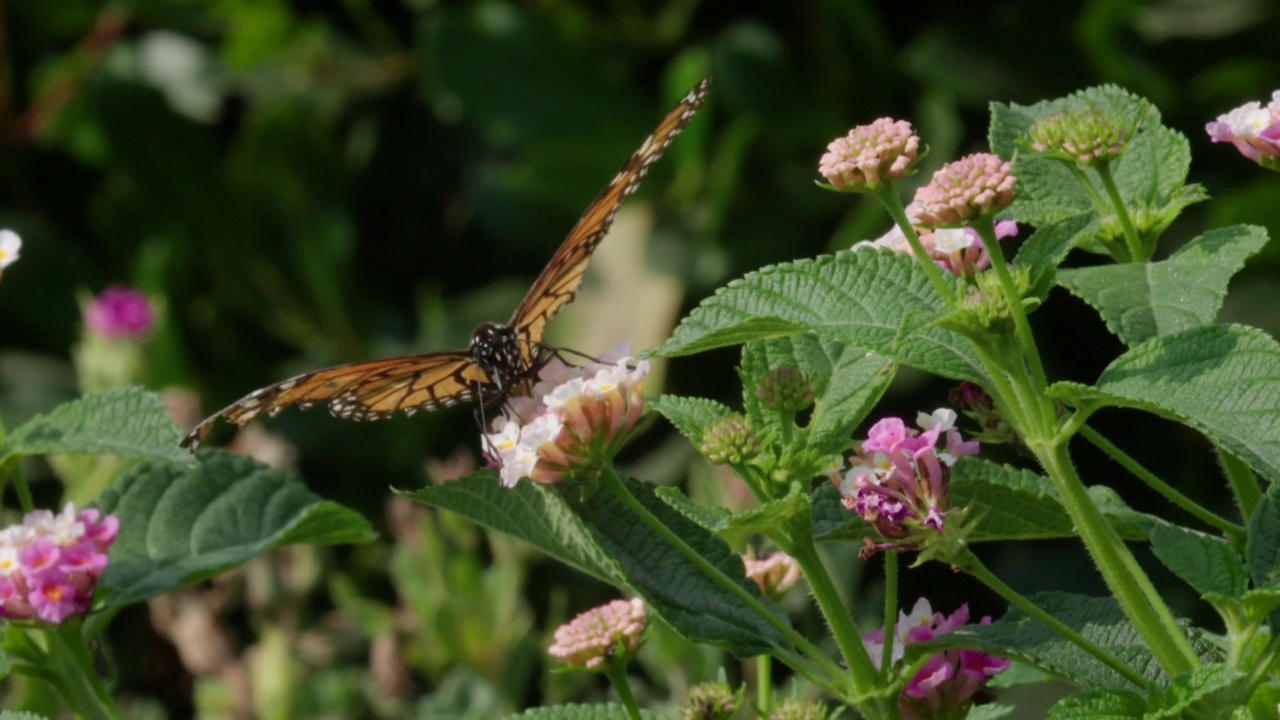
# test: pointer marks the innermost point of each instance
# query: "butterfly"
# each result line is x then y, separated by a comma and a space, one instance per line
501, 359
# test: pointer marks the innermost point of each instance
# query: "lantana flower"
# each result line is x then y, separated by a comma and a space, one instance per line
10, 246
50, 564
775, 573
898, 479
959, 251
1253, 129
710, 701
575, 419
949, 681
601, 634
120, 313
870, 155
976, 185
1089, 136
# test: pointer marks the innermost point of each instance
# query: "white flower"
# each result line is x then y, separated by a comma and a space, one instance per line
10, 244
952, 240
1248, 120
941, 419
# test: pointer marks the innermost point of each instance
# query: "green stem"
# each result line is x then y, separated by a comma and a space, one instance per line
890, 610
1243, 484
972, 565
81, 688
1237, 532
1139, 599
764, 684
1132, 241
987, 231
1099, 203
812, 654
889, 198
617, 673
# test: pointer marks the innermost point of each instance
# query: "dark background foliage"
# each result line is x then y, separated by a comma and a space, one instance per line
306, 183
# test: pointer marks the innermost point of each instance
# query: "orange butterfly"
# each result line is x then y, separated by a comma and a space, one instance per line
501, 358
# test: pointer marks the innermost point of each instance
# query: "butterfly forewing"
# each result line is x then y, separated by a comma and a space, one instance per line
561, 278
376, 389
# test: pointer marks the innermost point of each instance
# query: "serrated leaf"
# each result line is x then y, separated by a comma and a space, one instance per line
181, 524
1205, 562
691, 416
600, 711
1223, 380
13, 715
1259, 603
1262, 549
600, 536
129, 422
1049, 246
1100, 705
990, 711
1139, 301
874, 299
1018, 637
847, 382
1210, 684
708, 517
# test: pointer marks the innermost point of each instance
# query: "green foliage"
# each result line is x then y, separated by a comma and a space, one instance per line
128, 422
597, 711
181, 524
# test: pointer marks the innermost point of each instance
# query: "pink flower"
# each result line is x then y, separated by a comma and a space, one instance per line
870, 155
1253, 129
120, 313
980, 184
898, 478
948, 680
50, 564
575, 419
601, 634
775, 573
959, 251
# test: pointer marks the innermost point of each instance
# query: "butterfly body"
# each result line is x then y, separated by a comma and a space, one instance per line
501, 359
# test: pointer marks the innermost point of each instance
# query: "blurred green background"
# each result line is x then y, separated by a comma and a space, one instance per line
311, 182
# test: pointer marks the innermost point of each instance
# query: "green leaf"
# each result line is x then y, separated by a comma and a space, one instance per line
1208, 685
181, 524
691, 416
1205, 562
1005, 503
874, 299
600, 536
708, 517
129, 422
990, 711
1049, 246
1262, 550
13, 715
1139, 301
1223, 380
1100, 705
847, 382
1018, 637
603, 711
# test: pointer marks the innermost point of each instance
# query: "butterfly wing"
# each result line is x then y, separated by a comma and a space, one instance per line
561, 278
370, 390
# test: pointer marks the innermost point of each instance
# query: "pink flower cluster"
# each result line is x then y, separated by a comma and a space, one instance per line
600, 634
870, 154
897, 481
949, 679
775, 573
574, 419
49, 565
957, 250
120, 313
961, 190
1253, 129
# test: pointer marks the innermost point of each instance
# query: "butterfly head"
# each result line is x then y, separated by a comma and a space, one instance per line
496, 349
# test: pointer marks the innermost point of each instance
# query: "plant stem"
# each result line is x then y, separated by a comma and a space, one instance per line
812, 654
1243, 484
1237, 532
890, 609
889, 198
987, 231
1132, 241
81, 688
764, 684
972, 565
1141, 603
617, 674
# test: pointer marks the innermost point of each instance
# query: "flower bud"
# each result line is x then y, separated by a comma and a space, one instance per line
870, 155
785, 389
600, 635
775, 574
1089, 137
797, 709
973, 186
710, 701
729, 440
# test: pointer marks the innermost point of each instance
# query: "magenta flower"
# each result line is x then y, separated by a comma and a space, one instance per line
120, 313
601, 634
1253, 129
50, 564
575, 419
949, 680
898, 478
972, 186
870, 155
